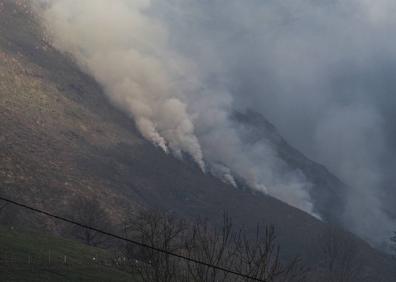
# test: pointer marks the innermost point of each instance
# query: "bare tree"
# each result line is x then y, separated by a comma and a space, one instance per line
89, 212
220, 246
161, 231
213, 246
255, 256
259, 257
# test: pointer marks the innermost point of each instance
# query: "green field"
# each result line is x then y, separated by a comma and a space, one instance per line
28, 256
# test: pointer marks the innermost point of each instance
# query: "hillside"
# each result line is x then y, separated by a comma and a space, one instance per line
61, 139
327, 190
28, 256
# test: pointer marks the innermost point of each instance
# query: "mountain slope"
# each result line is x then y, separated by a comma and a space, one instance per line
61, 139
28, 256
327, 191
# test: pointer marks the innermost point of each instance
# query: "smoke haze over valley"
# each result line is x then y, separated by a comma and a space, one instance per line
321, 71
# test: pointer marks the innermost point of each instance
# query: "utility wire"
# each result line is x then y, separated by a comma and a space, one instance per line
159, 250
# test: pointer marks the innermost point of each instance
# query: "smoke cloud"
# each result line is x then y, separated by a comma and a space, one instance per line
126, 51
321, 71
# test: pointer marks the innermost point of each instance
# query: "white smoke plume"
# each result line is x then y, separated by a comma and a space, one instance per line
126, 48
322, 71
126, 52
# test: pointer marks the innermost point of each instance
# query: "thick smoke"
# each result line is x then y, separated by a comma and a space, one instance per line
126, 51
322, 71
127, 48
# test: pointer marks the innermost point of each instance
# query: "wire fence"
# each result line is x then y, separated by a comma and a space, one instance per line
49, 258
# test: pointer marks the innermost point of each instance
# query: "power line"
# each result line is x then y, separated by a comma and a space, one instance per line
159, 250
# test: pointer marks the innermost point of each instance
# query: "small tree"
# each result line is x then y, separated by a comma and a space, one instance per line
259, 257
160, 231
213, 246
89, 212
